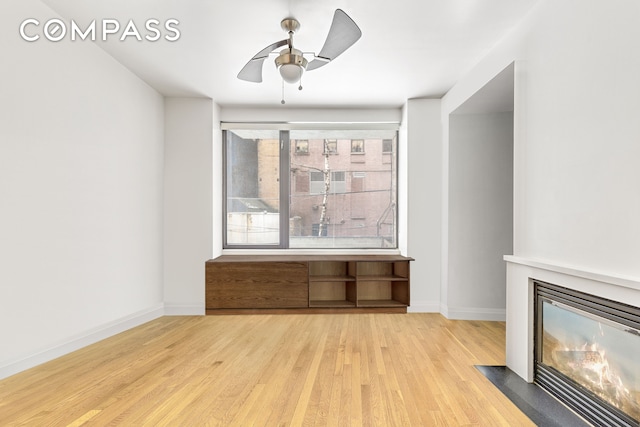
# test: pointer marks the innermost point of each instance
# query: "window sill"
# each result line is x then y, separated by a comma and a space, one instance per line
295, 251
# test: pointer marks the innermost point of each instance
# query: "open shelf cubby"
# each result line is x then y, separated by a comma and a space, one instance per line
332, 284
383, 284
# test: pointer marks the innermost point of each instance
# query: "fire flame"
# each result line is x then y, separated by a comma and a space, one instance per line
588, 365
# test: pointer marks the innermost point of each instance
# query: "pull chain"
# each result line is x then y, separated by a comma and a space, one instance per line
282, 102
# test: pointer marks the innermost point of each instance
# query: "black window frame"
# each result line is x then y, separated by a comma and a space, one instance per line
285, 192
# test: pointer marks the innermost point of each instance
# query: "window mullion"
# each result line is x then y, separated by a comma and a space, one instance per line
285, 187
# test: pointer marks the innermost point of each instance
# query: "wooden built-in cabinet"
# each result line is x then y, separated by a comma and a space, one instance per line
314, 283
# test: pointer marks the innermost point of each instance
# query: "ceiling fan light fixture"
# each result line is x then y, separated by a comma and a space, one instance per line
291, 64
291, 73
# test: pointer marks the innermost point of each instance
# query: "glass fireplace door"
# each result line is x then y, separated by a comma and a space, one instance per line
594, 354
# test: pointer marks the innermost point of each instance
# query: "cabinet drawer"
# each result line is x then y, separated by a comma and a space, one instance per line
257, 285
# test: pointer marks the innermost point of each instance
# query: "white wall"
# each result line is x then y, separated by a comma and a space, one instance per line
480, 226
582, 129
193, 185
423, 202
576, 132
81, 160
576, 174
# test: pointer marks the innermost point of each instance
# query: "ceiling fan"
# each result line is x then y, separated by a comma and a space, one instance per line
291, 62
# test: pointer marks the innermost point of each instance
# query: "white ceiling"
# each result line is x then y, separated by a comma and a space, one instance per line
409, 48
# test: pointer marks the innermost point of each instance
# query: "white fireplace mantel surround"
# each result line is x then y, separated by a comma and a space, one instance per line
520, 316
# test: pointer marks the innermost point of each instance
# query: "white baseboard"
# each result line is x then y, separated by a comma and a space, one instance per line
183, 310
82, 340
424, 307
471, 313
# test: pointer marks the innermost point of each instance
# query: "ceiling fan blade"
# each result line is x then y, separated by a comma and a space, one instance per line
342, 35
252, 71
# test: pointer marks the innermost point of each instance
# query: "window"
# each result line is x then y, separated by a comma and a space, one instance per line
337, 182
331, 146
277, 198
302, 147
387, 146
316, 230
357, 146
252, 188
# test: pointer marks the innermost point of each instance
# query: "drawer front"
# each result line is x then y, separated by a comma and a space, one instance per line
257, 285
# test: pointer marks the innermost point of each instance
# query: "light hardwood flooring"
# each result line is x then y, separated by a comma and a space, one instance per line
272, 370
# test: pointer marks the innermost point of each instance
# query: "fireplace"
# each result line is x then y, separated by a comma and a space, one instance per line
587, 354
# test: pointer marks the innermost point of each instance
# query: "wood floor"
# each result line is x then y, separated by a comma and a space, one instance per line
272, 370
